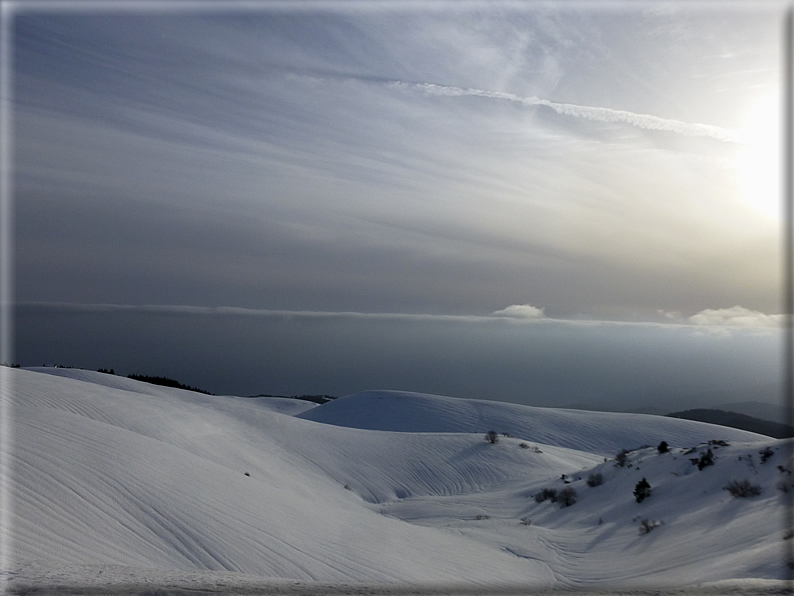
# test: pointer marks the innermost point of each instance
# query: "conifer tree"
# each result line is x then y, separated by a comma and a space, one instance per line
642, 490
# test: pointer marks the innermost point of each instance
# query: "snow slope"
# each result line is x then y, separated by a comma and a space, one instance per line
113, 474
604, 433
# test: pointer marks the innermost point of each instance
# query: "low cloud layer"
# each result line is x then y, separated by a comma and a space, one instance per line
736, 316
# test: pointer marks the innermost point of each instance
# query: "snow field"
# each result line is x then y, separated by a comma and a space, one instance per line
113, 473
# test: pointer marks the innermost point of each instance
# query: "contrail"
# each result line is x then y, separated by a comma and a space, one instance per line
645, 121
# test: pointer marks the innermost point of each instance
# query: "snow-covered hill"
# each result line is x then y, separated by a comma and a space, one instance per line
118, 477
603, 433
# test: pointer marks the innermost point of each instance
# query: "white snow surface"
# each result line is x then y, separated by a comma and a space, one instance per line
604, 433
122, 479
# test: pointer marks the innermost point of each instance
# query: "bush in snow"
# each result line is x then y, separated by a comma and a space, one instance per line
742, 488
526, 521
546, 494
523, 446
663, 447
766, 454
566, 497
492, 437
707, 459
647, 526
620, 458
642, 490
595, 479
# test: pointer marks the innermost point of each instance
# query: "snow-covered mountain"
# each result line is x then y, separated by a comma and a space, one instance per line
115, 480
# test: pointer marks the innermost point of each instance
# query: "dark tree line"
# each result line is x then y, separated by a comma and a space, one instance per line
166, 382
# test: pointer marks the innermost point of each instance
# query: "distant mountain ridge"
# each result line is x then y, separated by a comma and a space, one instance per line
736, 420
759, 401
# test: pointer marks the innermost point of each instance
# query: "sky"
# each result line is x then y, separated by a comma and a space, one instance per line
530, 202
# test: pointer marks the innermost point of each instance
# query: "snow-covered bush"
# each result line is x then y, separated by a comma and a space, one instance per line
743, 488
595, 479
526, 521
492, 437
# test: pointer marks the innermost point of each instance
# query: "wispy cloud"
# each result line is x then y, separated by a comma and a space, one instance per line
645, 121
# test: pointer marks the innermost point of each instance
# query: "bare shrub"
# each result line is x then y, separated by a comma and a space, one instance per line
566, 497
546, 494
707, 459
743, 488
491, 437
647, 526
595, 479
526, 521
523, 446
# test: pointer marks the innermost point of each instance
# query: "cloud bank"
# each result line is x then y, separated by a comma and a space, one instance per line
736, 316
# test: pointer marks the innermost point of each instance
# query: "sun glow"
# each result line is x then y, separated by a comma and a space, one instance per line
759, 160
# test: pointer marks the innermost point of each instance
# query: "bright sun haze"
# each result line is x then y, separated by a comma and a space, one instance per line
759, 160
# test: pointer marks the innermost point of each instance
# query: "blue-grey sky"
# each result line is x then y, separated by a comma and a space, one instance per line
499, 200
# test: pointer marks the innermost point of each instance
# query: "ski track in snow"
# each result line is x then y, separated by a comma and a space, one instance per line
118, 483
